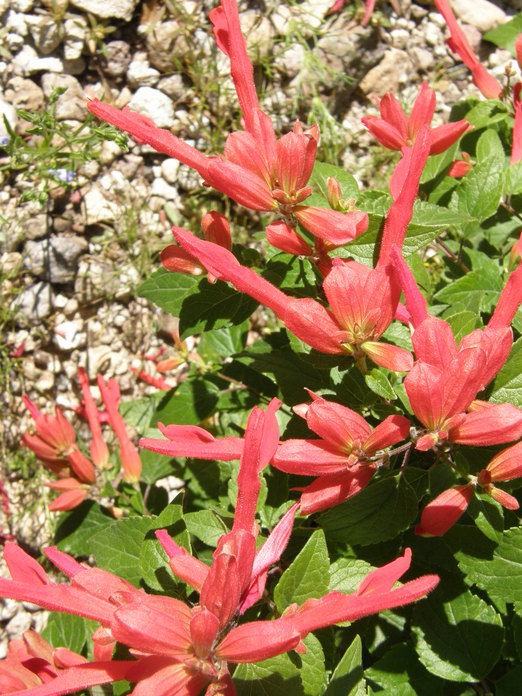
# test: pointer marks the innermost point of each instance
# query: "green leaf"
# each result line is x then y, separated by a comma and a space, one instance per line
168, 290
478, 194
138, 412
346, 574
428, 222
506, 34
222, 343
378, 513
509, 684
213, 306
347, 678
507, 386
154, 564
205, 525
513, 179
487, 514
322, 171
459, 636
155, 466
189, 403
462, 323
291, 274
483, 285
400, 672
66, 631
290, 673
308, 576
380, 384
118, 548
499, 573
75, 528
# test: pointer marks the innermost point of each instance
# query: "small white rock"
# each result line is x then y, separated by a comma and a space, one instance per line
154, 104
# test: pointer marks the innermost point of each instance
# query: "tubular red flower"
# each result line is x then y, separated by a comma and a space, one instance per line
130, 459
444, 511
99, 449
458, 43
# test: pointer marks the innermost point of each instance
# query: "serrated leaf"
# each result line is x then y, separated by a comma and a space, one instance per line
347, 678
507, 386
66, 631
189, 403
168, 290
487, 514
498, 573
118, 548
483, 286
138, 412
153, 560
459, 636
298, 675
506, 34
75, 528
308, 575
380, 384
400, 672
379, 512
205, 525
213, 306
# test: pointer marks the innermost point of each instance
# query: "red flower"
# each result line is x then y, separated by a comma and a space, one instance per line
505, 466
130, 459
99, 449
458, 43
446, 378
397, 131
181, 648
442, 513
344, 459
55, 445
257, 170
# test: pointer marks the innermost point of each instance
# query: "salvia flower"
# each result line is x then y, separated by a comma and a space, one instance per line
257, 170
446, 378
345, 457
130, 458
397, 131
99, 449
458, 43
181, 649
54, 444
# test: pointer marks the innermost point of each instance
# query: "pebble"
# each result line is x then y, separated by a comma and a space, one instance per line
107, 9
75, 29
154, 104
481, 14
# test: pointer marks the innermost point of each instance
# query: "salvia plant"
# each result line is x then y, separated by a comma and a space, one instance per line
354, 449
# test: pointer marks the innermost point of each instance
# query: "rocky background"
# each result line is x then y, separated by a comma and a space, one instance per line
70, 265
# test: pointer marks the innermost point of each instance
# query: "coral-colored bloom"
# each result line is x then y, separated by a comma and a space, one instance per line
31, 661
446, 378
55, 445
257, 170
458, 43
130, 459
505, 466
185, 649
362, 302
460, 167
344, 459
99, 449
397, 131
442, 513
